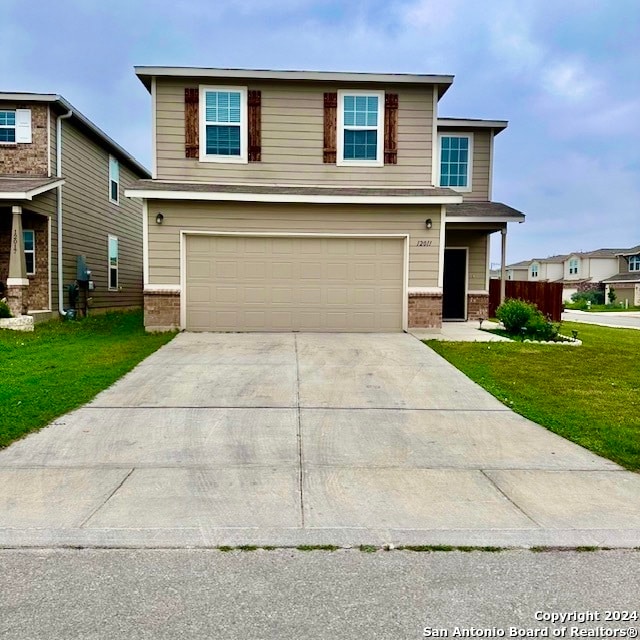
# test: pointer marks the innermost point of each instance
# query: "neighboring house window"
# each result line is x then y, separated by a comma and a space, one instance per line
7, 126
456, 153
113, 263
223, 124
534, 270
114, 180
360, 128
634, 263
573, 266
29, 240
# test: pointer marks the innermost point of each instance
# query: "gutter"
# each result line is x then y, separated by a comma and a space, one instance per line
59, 207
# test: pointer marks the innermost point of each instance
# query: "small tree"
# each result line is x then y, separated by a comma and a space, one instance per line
611, 295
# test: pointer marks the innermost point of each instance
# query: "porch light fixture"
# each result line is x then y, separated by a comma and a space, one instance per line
159, 219
428, 223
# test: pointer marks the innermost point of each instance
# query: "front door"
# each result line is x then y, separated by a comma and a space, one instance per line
454, 290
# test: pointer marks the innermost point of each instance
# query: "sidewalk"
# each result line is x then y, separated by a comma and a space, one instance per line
461, 332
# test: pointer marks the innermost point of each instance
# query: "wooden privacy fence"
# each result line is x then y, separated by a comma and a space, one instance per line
547, 296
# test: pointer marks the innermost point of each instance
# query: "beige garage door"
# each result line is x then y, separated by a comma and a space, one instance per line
244, 283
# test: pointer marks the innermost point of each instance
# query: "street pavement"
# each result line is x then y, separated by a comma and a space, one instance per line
288, 439
630, 319
289, 594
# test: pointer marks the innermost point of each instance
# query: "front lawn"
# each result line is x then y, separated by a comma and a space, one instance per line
62, 365
588, 394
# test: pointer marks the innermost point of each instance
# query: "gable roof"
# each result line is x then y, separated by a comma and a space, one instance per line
443, 82
83, 123
634, 251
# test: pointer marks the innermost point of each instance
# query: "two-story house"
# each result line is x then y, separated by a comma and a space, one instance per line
62, 183
314, 201
626, 281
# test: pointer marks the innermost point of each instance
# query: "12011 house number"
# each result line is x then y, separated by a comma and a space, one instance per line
424, 243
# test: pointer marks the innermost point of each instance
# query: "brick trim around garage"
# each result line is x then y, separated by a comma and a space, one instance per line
425, 310
161, 310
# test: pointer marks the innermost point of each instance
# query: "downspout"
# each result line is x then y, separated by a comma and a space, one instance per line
59, 207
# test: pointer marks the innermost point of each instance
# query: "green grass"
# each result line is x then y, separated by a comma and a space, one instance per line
62, 365
588, 394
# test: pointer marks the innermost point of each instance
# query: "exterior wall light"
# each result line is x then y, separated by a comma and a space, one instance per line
159, 219
428, 223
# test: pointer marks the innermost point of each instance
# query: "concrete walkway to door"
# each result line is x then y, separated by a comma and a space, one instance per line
289, 439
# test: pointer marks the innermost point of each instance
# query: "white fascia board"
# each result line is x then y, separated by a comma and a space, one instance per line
473, 124
29, 195
289, 198
484, 219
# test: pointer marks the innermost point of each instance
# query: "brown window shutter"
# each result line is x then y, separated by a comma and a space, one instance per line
330, 127
391, 128
191, 119
255, 125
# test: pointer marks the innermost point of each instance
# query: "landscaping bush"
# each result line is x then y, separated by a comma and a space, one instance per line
594, 297
539, 328
515, 314
5, 312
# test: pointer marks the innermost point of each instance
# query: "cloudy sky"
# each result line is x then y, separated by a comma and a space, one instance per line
565, 73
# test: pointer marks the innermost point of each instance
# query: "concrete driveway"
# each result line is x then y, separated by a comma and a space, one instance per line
287, 439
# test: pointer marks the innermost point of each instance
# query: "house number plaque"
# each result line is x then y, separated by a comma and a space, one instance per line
424, 243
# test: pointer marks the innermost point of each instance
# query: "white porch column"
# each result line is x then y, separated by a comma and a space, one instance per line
17, 280
503, 264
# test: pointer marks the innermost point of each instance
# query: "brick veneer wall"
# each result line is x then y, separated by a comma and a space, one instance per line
28, 159
38, 289
161, 310
477, 306
425, 310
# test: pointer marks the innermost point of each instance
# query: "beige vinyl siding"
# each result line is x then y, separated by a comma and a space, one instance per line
89, 218
292, 139
477, 242
164, 240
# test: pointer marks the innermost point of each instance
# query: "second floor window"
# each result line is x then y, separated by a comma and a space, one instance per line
634, 263
534, 270
7, 126
114, 180
223, 124
360, 128
455, 162
573, 266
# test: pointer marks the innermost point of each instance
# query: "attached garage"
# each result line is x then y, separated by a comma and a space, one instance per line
313, 282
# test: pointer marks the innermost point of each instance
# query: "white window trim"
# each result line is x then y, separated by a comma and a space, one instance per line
31, 251
243, 158
537, 270
379, 161
109, 267
577, 267
8, 126
634, 260
469, 135
117, 201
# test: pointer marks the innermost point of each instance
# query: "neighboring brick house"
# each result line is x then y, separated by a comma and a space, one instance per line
626, 282
314, 201
62, 183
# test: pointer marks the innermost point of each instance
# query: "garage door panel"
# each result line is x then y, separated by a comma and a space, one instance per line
237, 283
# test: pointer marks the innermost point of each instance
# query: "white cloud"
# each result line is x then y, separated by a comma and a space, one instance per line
570, 80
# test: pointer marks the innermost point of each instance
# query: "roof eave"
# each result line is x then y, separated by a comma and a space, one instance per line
496, 126
30, 194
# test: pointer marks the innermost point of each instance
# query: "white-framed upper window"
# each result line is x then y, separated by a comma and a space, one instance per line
114, 180
360, 128
223, 124
456, 160
534, 270
634, 263
29, 241
113, 262
573, 266
7, 126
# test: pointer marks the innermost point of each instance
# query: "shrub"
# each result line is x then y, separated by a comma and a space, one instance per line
5, 312
612, 295
515, 314
594, 297
539, 328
